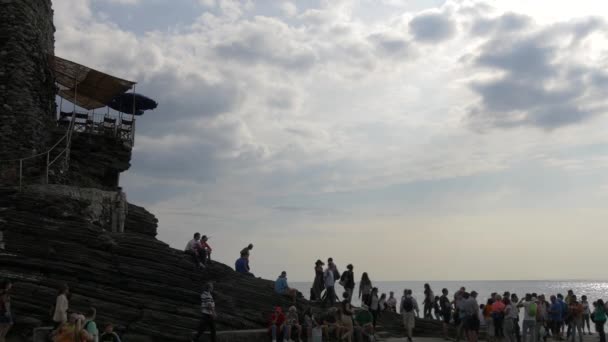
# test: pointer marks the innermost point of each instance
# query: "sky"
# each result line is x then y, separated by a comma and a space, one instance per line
417, 140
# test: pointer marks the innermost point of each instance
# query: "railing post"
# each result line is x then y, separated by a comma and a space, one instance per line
20, 172
48, 157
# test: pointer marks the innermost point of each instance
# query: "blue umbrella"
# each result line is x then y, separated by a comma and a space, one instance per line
124, 103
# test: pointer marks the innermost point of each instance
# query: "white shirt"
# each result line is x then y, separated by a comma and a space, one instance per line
61, 309
192, 245
328, 277
514, 313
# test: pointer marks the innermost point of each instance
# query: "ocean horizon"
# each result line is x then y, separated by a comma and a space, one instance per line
593, 289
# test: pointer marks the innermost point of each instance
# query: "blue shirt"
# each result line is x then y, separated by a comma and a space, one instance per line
242, 265
280, 286
556, 311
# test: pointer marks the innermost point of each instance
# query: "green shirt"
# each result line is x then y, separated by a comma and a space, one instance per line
363, 317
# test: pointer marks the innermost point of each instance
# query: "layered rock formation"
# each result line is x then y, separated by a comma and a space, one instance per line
148, 289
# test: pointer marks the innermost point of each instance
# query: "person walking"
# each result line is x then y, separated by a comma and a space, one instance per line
365, 289
409, 307
347, 280
599, 317
208, 314
6, 318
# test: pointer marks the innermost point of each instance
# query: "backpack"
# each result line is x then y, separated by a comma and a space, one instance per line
408, 304
532, 310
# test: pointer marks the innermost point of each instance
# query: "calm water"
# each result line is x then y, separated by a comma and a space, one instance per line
593, 289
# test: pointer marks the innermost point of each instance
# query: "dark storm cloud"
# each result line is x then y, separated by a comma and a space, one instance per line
432, 27
539, 81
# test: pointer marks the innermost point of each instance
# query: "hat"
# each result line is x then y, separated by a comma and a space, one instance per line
319, 262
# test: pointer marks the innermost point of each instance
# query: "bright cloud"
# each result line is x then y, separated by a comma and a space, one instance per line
280, 123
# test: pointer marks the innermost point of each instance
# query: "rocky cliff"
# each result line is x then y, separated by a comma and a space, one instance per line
151, 291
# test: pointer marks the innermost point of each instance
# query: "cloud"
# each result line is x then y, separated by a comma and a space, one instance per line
541, 77
432, 27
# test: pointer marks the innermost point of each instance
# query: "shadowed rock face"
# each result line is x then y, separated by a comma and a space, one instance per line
148, 289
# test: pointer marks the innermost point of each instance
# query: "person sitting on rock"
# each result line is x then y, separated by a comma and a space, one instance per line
72, 330
109, 335
277, 324
293, 322
242, 265
206, 249
331, 324
89, 324
193, 248
245, 251
281, 287
364, 325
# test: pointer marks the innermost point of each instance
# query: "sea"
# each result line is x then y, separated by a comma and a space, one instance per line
592, 289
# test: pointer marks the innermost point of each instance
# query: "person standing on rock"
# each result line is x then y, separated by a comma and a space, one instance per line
365, 289
208, 314
6, 319
60, 314
205, 250
391, 302
329, 281
318, 285
347, 280
193, 248
245, 251
446, 311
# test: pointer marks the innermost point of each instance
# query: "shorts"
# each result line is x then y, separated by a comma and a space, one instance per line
409, 320
446, 316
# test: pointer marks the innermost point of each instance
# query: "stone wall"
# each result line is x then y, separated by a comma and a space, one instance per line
27, 88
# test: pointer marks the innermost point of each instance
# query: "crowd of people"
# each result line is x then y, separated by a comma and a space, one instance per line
557, 318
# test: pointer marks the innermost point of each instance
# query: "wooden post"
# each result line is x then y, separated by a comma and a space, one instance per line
20, 172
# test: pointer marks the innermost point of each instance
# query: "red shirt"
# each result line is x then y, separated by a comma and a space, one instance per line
498, 306
206, 246
278, 319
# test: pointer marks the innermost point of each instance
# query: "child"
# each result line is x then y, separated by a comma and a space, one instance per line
109, 335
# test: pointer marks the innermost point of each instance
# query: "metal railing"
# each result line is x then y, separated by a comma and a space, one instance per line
52, 156
117, 126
